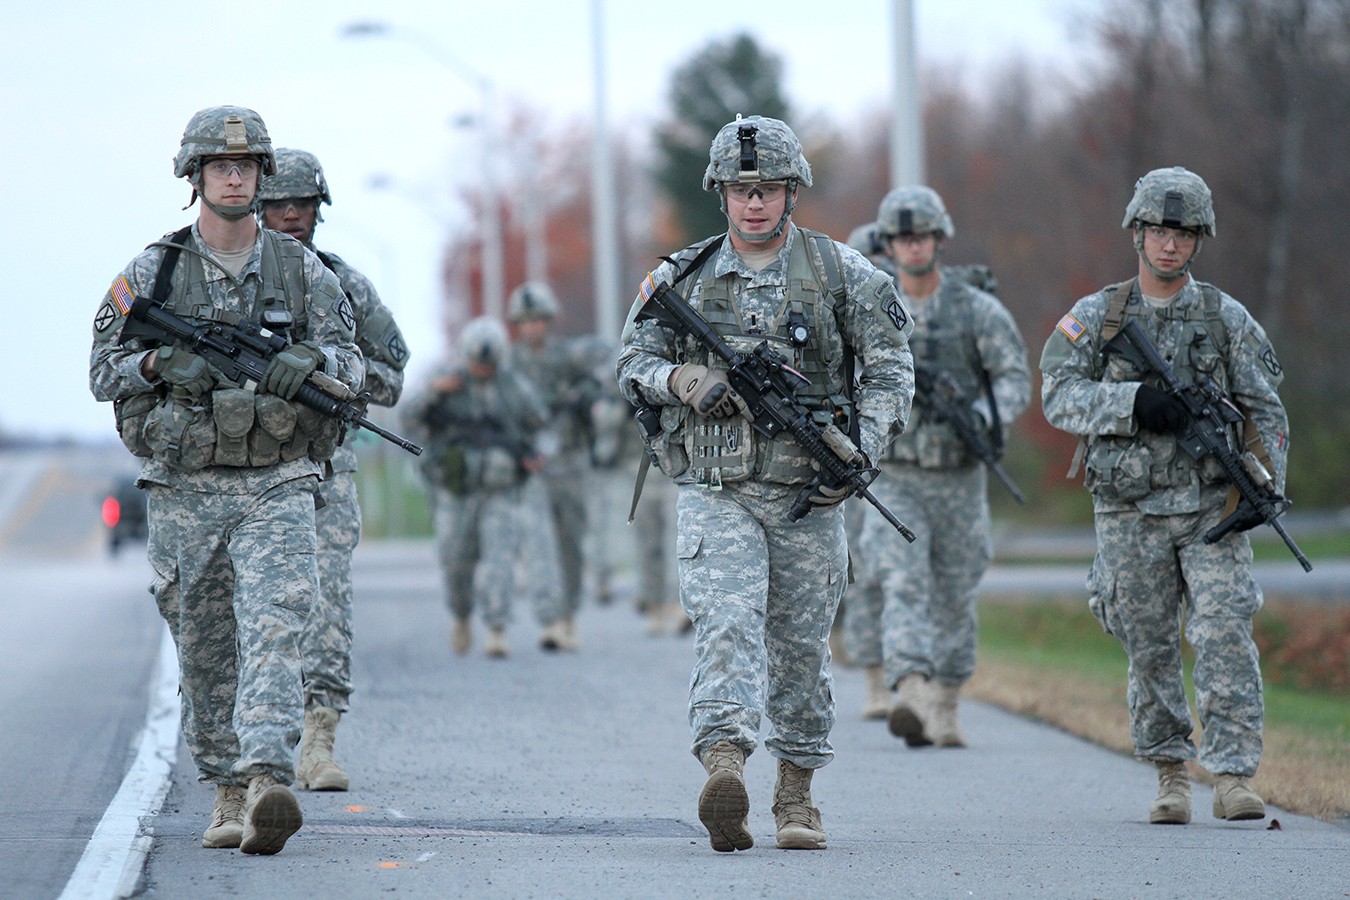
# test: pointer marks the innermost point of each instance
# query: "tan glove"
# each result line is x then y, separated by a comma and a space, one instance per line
706, 390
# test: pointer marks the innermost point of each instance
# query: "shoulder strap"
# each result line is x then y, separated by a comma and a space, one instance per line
1115, 308
164, 277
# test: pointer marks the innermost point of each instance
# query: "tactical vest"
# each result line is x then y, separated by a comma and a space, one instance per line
1125, 468
233, 426
728, 450
947, 344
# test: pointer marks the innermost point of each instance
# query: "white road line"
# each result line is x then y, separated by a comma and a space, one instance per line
112, 861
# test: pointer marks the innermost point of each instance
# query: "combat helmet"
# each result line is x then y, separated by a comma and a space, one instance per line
222, 131
1174, 197
532, 300
866, 239
752, 149
914, 209
298, 176
483, 340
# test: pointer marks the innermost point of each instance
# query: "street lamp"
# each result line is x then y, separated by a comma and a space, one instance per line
493, 263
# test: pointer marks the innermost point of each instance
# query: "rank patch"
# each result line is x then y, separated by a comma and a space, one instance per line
1071, 327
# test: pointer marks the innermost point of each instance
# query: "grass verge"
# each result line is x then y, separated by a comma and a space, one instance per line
1050, 660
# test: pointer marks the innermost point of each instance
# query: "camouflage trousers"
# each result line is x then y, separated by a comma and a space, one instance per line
568, 483
1151, 574
655, 544
762, 592
327, 644
485, 552
234, 577
912, 607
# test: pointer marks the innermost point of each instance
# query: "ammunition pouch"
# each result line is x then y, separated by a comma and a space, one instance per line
130, 414
180, 434
274, 430
232, 409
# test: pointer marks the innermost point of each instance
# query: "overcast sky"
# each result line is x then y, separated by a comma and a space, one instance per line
95, 96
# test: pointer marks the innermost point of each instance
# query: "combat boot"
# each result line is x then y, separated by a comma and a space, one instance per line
723, 804
494, 644
227, 818
909, 715
878, 702
570, 641
318, 771
1234, 799
271, 815
461, 636
1173, 803
552, 637
798, 822
942, 728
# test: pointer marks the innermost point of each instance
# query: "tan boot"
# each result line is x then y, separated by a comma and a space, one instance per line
271, 815
909, 714
461, 636
723, 804
318, 771
1234, 799
570, 641
878, 702
1172, 806
798, 822
494, 645
942, 728
227, 818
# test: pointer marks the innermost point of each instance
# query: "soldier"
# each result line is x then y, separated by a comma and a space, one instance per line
481, 421
563, 373
1153, 504
760, 588
290, 204
232, 474
911, 616
867, 240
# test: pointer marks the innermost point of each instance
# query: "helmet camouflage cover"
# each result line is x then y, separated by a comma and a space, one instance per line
298, 176
915, 209
532, 300
755, 148
223, 131
866, 239
1174, 197
483, 341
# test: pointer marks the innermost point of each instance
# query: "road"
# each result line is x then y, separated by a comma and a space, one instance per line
549, 775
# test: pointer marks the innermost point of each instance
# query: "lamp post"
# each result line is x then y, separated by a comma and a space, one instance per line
907, 158
492, 257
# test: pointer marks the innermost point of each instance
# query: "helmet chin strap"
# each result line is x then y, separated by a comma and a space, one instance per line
788, 206
1165, 276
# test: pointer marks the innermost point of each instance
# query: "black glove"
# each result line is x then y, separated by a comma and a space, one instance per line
288, 369
184, 370
1158, 411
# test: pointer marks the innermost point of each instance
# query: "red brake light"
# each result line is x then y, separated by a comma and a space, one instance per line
112, 511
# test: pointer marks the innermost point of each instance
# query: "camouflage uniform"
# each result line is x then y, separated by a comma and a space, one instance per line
913, 606
1153, 504
760, 589
563, 373
1150, 522
485, 532
327, 644
233, 547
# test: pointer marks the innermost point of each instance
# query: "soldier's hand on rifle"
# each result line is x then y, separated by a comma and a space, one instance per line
825, 495
184, 370
288, 369
1158, 411
706, 390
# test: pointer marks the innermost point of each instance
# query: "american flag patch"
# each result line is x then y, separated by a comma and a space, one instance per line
122, 296
1072, 328
648, 288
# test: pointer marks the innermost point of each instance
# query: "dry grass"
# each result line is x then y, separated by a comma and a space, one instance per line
1298, 773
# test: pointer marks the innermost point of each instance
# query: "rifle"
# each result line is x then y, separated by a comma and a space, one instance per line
768, 385
241, 354
1211, 416
938, 392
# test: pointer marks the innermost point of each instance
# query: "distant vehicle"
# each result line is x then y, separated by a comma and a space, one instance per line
124, 514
